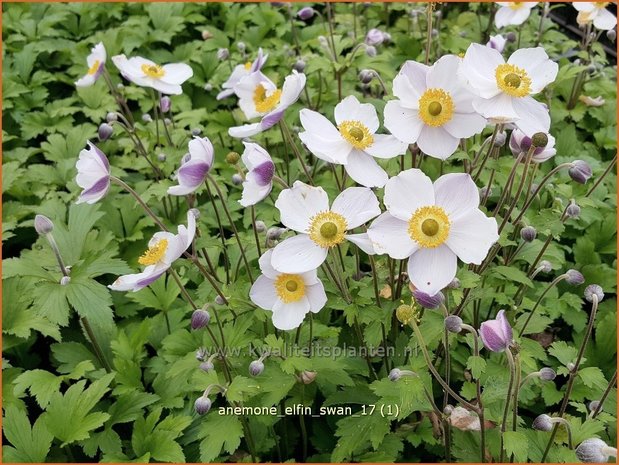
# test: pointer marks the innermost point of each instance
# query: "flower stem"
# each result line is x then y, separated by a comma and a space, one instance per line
508, 397
95, 344
554, 282
611, 384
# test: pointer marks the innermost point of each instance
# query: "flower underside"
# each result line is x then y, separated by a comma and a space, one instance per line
265, 103
436, 107
153, 71
513, 80
289, 287
327, 229
155, 253
429, 226
356, 133
95, 66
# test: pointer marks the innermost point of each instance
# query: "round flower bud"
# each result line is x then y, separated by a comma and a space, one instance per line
260, 226
510, 37
448, 409
405, 314
195, 212
572, 210
594, 290
307, 377
500, 139
453, 324
299, 66
570, 366
256, 368
167, 121
454, 284
161, 157
199, 319
370, 51
105, 131
485, 192
206, 35
120, 86
395, 374
65, 280
275, 233
219, 300
208, 87
574, 277
146, 118
232, 158
580, 171
539, 139
528, 233
366, 76
43, 225
547, 374
196, 132
306, 13
241, 46
593, 405
611, 35
595, 450
202, 405
374, 37
223, 54
542, 423
545, 266
111, 117
207, 366
237, 179
428, 301
201, 354
434, 33
165, 103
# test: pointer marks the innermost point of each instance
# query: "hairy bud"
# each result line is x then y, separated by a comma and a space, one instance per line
111, 117
202, 405
580, 171
428, 301
595, 450
453, 324
260, 226
165, 103
256, 368
594, 290
574, 277
539, 139
572, 210
395, 374
366, 76
105, 131
223, 54
43, 225
542, 423
200, 319
528, 233
232, 158
237, 179
299, 66
547, 374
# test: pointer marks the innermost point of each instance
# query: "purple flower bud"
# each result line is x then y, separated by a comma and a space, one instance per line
496, 334
307, 377
374, 37
580, 171
594, 290
219, 300
165, 103
574, 277
500, 139
572, 210
395, 374
111, 117
510, 37
485, 192
202, 405
595, 450
370, 51
542, 423
497, 42
275, 233
207, 366
237, 179
306, 13
105, 131
65, 280
453, 324
593, 405
199, 319
256, 368
428, 301
43, 224
223, 54
528, 233
299, 66
260, 226
196, 132
547, 374
366, 76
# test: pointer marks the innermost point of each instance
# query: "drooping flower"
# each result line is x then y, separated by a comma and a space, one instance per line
497, 42
239, 72
289, 296
96, 63
305, 209
434, 109
520, 143
512, 13
497, 334
93, 174
353, 143
259, 97
166, 79
374, 37
259, 180
163, 249
432, 225
194, 166
505, 89
596, 13
595, 450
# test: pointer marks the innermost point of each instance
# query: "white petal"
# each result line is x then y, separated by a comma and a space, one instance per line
498, 108
410, 83
288, 316
362, 241
472, 235
350, 109
431, 270
254, 155
584, 6
389, 235
605, 20
456, 193
316, 296
201, 148
533, 116
441, 74
299, 204
358, 205
298, 254
540, 69
263, 293
406, 192
265, 265
364, 170
478, 69
253, 192
176, 73
464, 125
322, 138
506, 16
386, 146
246, 130
437, 142
135, 282
292, 88
404, 123
86, 80
165, 88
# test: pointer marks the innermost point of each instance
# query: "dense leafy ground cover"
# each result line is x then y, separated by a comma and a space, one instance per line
96, 374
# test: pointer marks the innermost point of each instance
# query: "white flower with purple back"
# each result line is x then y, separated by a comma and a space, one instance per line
194, 167
93, 174
96, 63
239, 72
259, 179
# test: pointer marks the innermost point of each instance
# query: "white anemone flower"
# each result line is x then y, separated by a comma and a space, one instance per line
96, 63
194, 166
93, 174
166, 79
259, 179
260, 98
434, 109
433, 225
513, 13
163, 249
353, 143
505, 89
595, 13
289, 296
305, 209
239, 72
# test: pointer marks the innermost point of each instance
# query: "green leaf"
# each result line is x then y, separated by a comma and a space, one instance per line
41, 384
219, 432
27, 444
477, 365
356, 433
516, 443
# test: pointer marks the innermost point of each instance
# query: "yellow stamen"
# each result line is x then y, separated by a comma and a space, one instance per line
516, 5
94, 68
429, 226
513, 80
154, 71
248, 65
356, 133
327, 229
436, 107
289, 287
154, 253
265, 103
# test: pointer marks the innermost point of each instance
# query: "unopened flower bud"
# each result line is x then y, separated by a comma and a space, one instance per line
237, 179
120, 86
500, 139
542, 423
202, 405
594, 290
510, 37
200, 319
207, 366
395, 374
105, 131
206, 35
223, 54
370, 51
572, 210
299, 66
306, 13
547, 374
539, 139
196, 132
146, 118
485, 191
595, 450
307, 377
260, 226
201, 354
366, 76
111, 117
545, 266
528, 233
275, 233
165, 103
232, 158
453, 324
208, 87
256, 368
580, 171
43, 224
428, 301
574, 277
386, 37
65, 280
241, 46
454, 284
322, 40
162, 157
167, 121
434, 33
593, 405
219, 300
374, 37
611, 35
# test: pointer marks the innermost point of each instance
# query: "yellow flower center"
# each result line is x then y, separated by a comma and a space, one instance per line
601, 5
356, 133
436, 107
513, 80
289, 287
429, 226
154, 253
154, 71
95, 66
516, 5
265, 103
327, 229
248, 65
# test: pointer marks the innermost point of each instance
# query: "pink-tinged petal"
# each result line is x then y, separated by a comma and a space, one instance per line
135, 282
350, 109
263, 173
386, 146
457, 194
478, 69
287, 316
362, 241
265, 265
406, 192
254, 155
193, 173
437, 142
260, 60
499, 108
271, 119
404, 123
176, 73
410, 83
471, 235
357, 205
316, 296
298, 254
465, 125
389, 235
263, 293
533, 116
299, 204
95, 192
431, 270
364, 170
540, 69
496, 334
